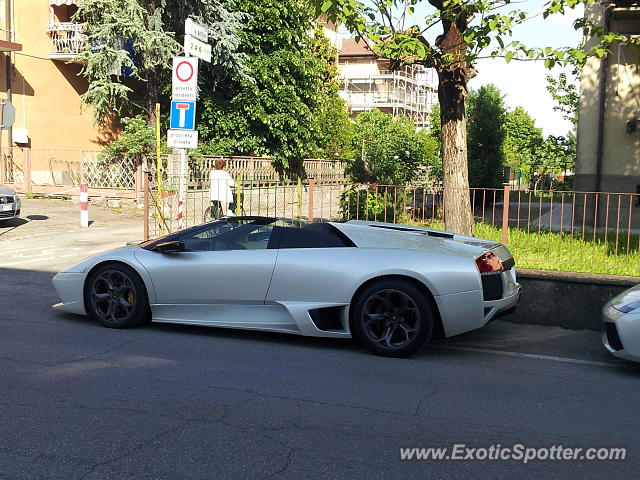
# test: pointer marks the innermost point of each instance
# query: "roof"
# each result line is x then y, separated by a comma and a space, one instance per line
351, 48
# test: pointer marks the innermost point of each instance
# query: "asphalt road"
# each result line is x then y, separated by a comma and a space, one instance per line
79, 401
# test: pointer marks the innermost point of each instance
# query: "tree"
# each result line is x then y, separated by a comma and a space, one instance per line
279, 110
334, 131
537, 158
470, 29
389, 149
138, 139
553, 157
562, 89
129, 47
486, 135
523, 139
435, 129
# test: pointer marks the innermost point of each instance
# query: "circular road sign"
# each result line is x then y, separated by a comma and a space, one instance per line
184, 71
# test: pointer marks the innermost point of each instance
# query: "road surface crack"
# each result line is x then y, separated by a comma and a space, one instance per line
134, 449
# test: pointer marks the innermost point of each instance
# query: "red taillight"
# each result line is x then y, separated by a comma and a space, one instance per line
488, 263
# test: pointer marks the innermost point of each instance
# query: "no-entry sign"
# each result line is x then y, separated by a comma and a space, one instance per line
184, 79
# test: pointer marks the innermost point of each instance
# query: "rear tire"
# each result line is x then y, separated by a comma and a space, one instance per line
393, 318
116, 296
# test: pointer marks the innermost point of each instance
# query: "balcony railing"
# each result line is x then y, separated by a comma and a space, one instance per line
67, 40
623, 3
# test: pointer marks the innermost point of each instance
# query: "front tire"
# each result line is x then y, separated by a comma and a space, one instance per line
392, 318
116, 296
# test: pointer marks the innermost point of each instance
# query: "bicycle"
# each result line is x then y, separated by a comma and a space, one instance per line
216, 212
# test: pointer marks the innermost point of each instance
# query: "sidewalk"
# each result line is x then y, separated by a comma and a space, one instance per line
48, 236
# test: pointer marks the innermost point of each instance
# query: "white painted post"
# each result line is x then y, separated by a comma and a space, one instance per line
84, 206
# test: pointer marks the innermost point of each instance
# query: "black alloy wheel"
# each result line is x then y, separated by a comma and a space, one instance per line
116, 296
392, 318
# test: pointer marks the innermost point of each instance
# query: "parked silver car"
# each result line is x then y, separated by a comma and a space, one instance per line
9, 203
390, 286
621, 317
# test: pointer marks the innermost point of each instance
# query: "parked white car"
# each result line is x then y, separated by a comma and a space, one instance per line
9, 203
621, 317
390, 286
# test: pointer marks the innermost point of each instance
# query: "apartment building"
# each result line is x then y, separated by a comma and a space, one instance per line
52, 129
609, 113
367, 82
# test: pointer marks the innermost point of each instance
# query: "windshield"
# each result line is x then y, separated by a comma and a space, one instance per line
230, 223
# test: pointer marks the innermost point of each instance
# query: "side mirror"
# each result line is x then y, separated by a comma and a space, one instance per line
175, 246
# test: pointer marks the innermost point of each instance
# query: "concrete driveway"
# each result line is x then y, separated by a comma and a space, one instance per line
48, 236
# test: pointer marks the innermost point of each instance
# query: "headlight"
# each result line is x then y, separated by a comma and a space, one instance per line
628, 300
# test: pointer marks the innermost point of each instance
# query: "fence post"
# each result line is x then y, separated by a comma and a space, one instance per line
27, 169
312, 183
238, 198
145, 182
505, 214
137, 184
299, 198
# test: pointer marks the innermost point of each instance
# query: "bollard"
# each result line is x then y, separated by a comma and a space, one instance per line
180, 215
312, 184
84, 206
505, 214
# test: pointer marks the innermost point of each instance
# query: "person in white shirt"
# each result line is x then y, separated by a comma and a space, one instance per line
220, 188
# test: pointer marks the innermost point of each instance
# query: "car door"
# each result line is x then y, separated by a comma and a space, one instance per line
316, 263
225, 263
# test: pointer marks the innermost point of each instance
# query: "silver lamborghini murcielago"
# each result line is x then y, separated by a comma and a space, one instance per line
389, 286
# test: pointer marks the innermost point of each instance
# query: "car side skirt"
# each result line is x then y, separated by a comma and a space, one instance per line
286, 317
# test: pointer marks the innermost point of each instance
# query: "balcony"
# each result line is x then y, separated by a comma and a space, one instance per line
67, 40
623, 3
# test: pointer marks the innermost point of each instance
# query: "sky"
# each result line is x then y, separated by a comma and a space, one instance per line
523, 83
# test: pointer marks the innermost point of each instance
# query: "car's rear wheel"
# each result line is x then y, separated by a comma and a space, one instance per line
116, 296
392, 318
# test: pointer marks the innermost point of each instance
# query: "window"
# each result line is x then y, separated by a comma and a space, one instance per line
263, 233
241, 234
314, 235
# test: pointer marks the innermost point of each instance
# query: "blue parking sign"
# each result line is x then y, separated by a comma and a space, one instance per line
183, 115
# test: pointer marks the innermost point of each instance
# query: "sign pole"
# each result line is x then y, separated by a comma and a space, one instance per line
159, 167
182, 187
182, 133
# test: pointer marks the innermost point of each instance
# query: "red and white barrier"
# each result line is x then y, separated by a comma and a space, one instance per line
180, 215
84, 205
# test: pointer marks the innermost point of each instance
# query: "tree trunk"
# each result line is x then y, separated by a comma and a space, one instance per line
153, 83
153, 77
452, 94
457, 202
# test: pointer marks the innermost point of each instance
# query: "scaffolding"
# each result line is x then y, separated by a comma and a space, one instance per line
411, 91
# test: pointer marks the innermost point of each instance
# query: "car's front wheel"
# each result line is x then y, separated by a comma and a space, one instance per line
392, 318
116, 296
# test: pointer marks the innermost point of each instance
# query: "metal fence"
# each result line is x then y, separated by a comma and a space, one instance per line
287, 199
554, 230
260, 169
